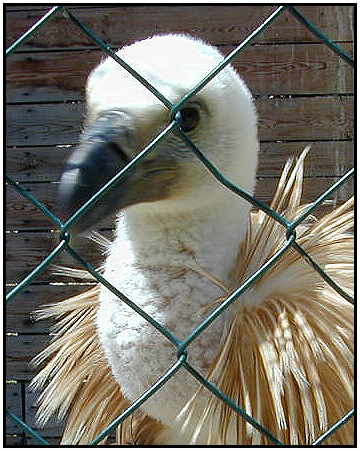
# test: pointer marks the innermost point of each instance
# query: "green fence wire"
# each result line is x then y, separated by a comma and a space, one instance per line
174, 127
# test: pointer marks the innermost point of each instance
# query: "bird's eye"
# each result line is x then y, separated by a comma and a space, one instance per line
189, 118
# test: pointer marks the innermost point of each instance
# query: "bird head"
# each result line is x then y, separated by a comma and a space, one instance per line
123, 117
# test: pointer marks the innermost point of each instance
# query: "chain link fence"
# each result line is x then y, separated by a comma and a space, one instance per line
289, 226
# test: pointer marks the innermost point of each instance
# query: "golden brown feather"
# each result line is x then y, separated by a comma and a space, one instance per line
288, 359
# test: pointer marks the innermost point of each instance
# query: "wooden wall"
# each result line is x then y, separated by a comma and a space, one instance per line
303, 92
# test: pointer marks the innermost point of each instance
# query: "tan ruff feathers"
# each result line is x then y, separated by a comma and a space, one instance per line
287, 358
297, 339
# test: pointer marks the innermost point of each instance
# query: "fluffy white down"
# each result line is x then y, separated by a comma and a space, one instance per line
158, 244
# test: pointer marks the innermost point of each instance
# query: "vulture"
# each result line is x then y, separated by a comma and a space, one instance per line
183, 242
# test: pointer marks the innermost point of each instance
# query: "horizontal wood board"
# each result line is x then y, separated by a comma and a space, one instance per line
222, 24
267, 70
304, 118
23, 214
45, 164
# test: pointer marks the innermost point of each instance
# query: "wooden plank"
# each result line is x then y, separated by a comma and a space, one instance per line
26, 214
278, 69
52, 431
16, 441
21, 264
294, 69
21, 400
312, 189
13, 394
26, 250
20, 311
36, 163
326, 158
18, 395
53, 428
313, 118
22, 214
20, 350
44, 124
22, 7
303, 118
28, 399
215, 23
50, 76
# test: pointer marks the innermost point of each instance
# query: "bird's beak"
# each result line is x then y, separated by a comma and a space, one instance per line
96, 161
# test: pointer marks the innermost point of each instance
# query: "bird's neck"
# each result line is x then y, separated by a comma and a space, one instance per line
206, 236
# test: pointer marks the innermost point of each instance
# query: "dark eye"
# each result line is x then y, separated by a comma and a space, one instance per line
190, 118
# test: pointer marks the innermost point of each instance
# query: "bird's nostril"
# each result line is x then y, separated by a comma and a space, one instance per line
118, 150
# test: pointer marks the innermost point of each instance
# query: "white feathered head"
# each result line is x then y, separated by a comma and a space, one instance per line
123, 116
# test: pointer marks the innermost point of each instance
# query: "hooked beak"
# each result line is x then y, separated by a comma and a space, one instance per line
96, 161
